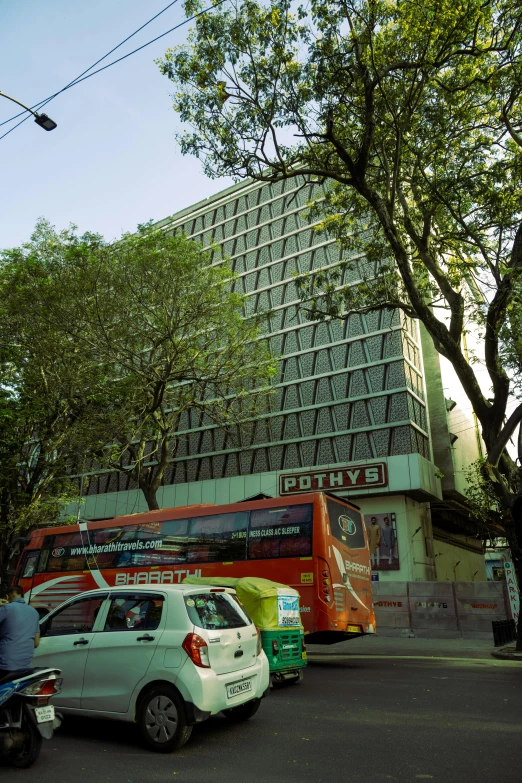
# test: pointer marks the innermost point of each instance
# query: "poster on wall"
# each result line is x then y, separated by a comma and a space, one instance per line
382, 538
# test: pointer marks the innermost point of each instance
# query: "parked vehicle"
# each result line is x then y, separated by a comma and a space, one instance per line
25, 713
274, 608
315, 542
163, 657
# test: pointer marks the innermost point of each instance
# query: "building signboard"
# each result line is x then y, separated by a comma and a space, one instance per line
344, 478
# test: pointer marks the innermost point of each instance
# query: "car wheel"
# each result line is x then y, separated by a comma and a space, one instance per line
243, 711
28, 751
162, 720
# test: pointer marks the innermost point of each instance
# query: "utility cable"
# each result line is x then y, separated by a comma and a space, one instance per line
79, 80
47, 100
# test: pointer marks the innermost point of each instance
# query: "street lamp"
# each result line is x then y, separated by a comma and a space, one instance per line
45, 122
42, 120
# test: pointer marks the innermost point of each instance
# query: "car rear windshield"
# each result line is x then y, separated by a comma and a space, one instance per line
215, 610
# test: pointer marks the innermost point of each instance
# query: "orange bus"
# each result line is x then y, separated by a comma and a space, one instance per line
314, 542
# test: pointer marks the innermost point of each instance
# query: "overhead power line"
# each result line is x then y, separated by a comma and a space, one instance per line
47, 100
82, 77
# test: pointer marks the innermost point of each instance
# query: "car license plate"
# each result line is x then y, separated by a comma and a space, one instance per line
353, 629
235, 688
44, 714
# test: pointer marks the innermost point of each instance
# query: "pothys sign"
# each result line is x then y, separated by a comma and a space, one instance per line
512, 588
349, 477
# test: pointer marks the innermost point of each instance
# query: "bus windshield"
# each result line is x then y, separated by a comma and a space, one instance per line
346, 524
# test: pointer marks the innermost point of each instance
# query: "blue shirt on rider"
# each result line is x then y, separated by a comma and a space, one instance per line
19, 624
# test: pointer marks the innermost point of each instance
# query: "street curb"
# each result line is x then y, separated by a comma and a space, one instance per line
316, 658
507, 656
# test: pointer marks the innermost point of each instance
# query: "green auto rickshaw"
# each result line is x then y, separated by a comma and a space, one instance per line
274, 608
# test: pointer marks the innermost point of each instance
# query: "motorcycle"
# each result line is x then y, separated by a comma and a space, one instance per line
26, 715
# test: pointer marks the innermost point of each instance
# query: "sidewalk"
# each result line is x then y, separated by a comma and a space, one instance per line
394, 646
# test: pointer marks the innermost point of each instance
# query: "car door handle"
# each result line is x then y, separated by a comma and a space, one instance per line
81, 641
145, 638
238, 653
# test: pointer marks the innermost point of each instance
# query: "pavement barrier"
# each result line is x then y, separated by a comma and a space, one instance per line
390, 602
432, 606
445, 608
478, 604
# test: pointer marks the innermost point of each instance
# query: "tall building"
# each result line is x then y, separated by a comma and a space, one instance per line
352, 408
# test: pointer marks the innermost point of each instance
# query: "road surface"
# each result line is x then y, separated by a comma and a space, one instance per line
353, 718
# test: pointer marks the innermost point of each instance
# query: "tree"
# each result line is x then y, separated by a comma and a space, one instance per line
174, 329
49, 394
157, 331
409, 114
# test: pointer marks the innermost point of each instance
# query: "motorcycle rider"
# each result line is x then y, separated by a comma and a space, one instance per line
19, 632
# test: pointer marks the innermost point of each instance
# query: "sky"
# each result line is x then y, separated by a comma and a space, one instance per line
113, 161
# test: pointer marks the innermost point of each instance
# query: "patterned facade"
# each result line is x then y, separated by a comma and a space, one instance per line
348, 390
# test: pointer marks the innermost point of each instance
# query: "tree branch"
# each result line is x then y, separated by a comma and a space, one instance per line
501, 442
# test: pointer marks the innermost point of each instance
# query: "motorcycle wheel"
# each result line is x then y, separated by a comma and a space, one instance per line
27, 754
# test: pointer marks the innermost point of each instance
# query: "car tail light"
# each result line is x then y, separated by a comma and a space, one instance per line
275, 647
259, 642
326, 573
43, 687
197, 650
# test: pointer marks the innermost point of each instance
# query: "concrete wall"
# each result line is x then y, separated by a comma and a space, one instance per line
439, 609
471, 566
451, 456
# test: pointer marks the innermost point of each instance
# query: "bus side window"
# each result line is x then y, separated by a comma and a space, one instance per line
217, 537
280, 532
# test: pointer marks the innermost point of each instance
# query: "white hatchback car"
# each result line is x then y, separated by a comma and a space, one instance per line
162, 656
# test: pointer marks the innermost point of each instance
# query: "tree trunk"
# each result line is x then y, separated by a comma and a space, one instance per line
149, 494
4, 574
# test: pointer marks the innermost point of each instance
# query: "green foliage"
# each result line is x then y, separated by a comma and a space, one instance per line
408, 114
481, 495
106, 346
400, 108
